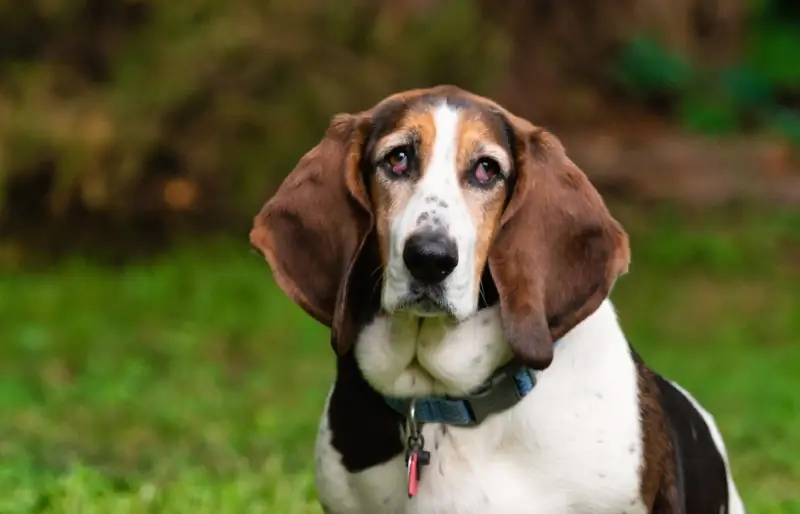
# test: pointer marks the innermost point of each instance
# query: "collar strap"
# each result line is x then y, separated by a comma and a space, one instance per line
507, 386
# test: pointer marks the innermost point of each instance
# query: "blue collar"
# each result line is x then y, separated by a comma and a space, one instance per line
507, 386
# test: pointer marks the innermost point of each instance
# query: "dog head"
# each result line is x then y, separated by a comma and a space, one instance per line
420, 203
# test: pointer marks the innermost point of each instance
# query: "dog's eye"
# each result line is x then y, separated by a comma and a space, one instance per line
398, 160
485, 171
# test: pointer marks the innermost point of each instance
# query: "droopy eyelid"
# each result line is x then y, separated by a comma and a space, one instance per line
394, 141
497, 154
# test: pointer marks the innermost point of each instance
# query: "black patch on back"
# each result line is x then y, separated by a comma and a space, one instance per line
700, 470
364, 429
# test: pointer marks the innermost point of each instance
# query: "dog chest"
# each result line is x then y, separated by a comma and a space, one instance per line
486, 470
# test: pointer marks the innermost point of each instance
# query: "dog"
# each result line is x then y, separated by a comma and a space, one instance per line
463, 264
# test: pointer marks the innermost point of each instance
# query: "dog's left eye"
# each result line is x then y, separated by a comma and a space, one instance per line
485, 171
398, 160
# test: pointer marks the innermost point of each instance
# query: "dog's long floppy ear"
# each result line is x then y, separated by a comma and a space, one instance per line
312, 230
558, 251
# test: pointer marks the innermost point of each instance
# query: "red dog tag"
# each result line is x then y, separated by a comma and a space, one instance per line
413, 474
416, 455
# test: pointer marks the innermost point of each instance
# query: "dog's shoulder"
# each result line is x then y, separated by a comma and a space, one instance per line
358, 434
365, 431
686, 464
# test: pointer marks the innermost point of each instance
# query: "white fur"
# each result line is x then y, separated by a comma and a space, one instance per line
437, 195
735, 504
399, 357
572, 446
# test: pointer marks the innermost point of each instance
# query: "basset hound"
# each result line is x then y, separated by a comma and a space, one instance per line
463, 263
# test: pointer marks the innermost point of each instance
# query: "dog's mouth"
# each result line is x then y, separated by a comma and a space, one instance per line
426, 302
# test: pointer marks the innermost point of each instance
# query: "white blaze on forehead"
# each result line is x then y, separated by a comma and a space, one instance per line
442, 165
394, 140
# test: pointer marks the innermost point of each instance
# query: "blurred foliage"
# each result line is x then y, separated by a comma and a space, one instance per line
761, 89
125, 110
646, 67
130, 106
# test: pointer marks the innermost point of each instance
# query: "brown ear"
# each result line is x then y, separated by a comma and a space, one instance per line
312, 230
558, 251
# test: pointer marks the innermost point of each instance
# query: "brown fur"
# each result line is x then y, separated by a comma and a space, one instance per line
315, 225
558, 251
658, 488
486, 207
389, 197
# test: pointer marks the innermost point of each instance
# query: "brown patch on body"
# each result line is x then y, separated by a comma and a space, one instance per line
658, 488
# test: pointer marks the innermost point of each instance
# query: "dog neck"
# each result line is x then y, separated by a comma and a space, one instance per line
378, 366
403, 358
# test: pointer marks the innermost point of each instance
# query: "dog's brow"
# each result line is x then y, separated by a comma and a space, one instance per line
496, 152
394, 140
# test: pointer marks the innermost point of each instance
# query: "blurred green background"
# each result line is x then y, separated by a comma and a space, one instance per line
148, 363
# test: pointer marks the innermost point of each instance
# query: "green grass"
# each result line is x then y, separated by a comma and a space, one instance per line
191, 385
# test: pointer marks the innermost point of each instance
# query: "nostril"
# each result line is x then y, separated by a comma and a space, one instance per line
430, 256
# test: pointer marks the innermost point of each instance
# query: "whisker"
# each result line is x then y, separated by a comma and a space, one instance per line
378, 268
482, 294
377, 283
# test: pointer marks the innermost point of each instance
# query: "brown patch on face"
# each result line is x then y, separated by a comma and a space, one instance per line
479, 138
382, 200
390, 195
480, 135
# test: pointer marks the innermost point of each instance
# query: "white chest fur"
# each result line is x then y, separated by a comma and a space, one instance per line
573, 445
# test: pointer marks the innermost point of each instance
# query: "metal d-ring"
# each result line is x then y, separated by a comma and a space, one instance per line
414, 434
411, 419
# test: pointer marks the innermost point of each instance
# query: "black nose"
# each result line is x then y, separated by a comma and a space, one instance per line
430, 256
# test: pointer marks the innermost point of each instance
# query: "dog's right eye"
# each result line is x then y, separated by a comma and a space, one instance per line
398, 161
